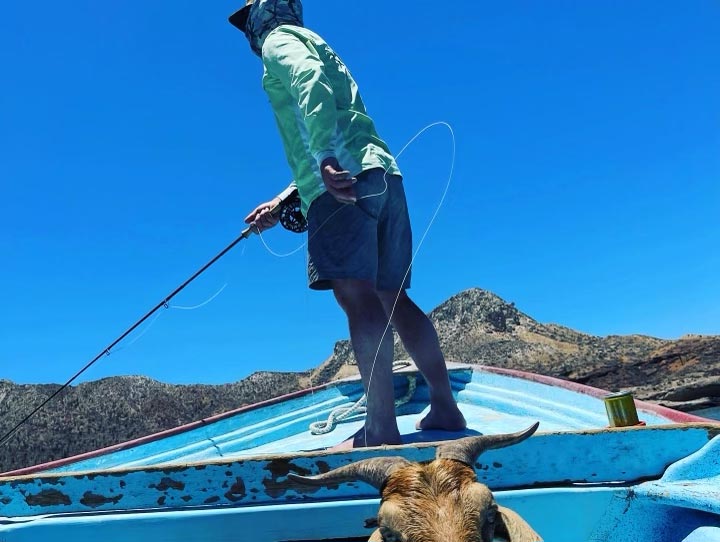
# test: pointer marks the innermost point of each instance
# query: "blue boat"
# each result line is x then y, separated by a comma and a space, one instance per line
226, 478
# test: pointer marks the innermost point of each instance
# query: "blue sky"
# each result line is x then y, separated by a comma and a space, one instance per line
134, 138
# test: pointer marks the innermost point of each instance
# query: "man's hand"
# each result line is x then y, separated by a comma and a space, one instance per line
338, 181
261, 218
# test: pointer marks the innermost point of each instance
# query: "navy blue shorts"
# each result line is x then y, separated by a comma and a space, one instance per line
369, 240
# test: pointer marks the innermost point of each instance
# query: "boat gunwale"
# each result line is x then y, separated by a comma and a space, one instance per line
262, 480
712, 428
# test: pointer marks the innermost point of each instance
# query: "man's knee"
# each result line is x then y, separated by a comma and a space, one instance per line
392, 300
354, 295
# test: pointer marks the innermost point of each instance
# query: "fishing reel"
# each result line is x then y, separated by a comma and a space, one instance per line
290, 214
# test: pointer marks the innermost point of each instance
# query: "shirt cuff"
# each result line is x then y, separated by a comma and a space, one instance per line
322, 155
287, 192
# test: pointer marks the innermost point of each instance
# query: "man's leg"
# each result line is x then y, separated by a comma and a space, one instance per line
368, 322
421, 341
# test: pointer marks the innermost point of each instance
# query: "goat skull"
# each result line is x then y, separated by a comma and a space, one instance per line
438, 501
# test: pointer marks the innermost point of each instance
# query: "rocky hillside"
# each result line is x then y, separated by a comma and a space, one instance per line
96, 414
474, 326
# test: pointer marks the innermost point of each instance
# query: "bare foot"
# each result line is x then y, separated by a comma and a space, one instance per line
448, 418
363, 440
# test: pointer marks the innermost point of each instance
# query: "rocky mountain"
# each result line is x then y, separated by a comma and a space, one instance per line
474, 326
96, 414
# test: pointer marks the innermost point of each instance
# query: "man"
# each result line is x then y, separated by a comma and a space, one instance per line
359, 239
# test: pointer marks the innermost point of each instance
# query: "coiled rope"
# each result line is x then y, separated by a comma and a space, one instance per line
342, 413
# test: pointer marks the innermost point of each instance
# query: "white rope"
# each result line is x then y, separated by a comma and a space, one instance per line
342, 413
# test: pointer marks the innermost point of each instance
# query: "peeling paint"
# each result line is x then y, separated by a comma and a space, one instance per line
629, 498
93, 500
212, 500
237, 491
280, 468
283, 467
168, 483
161, 501
48, 497
274, 489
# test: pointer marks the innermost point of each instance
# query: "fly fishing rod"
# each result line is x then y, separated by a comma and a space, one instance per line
287, 211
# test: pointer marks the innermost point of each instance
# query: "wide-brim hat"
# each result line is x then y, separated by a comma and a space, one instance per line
240, 17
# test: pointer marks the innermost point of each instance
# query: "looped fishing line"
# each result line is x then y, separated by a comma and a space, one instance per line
420, 243
368, 196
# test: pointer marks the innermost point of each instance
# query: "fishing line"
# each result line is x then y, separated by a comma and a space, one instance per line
192, 308
159, 314
332, 215
138, 336
422, 239
295, 250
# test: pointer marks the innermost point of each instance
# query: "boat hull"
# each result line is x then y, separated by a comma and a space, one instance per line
227, 478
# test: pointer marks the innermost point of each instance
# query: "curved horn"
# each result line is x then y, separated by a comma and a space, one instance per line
466, 450
372, 471
513, 527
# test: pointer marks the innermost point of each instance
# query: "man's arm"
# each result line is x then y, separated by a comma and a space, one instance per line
297, 65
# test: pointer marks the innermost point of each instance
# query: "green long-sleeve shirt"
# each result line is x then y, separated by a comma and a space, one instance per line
318, 110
